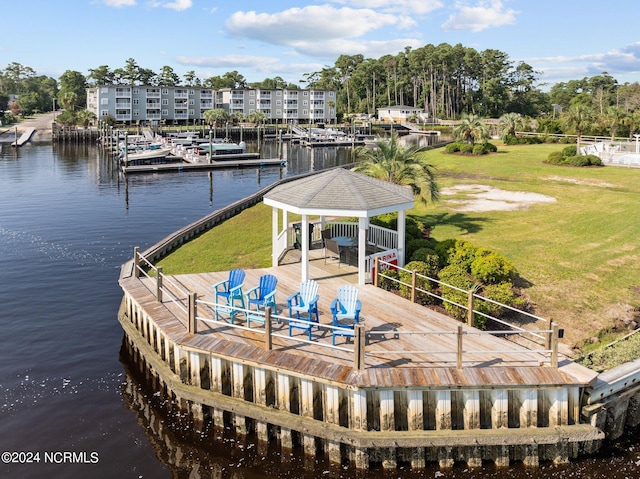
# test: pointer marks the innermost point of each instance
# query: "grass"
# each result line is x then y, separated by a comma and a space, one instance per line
578, 257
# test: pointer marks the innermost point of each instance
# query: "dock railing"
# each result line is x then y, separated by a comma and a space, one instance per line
193, 309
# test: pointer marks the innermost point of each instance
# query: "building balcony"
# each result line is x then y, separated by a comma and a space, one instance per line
153, 116
153, 94
123, 117
123, 104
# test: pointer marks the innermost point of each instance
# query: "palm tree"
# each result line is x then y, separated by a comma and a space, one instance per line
509, 123
578, 117
612, 117
471, 129
401, 165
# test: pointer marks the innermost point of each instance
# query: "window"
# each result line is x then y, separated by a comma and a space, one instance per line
278, 102
330, 93
192, 101
136, 113
165, 101
192, 112
251, 102
104, 101
136, 101
165, 91
104, 89
192, 92
104, 112
252, 92
165, 112
135, 91
305, 93
305, 102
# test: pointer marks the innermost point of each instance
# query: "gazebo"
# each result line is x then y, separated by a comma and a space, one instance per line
337, 193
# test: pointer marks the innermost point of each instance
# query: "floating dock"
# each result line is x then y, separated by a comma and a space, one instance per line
181, 166
25, 137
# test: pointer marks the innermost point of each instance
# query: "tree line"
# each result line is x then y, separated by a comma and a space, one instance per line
447, 81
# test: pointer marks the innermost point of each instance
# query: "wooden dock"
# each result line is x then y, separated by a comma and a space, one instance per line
409, 400
181, 166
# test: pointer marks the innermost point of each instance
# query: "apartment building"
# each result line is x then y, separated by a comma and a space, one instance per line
183, 105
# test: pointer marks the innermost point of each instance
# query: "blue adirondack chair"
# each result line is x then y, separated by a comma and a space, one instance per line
345, 311
261, 297
304, 304
229, 296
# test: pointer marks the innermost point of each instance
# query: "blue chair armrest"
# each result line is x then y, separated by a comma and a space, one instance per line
219, 283
334, 306
236, 290
253, 291
294, 296
314, 301
358, 308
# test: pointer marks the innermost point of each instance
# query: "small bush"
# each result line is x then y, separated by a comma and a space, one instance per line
455, 275
424, 269
490, 147
443, 250
463, 254
502, 293
422, 253
569, 150
452, 147
466, 148
479, 150
413, 245
492, 268
555, 158
389, 282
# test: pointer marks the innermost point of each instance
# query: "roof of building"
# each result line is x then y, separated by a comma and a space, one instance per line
340, 192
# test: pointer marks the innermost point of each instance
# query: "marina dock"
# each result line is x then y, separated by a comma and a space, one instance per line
180, 166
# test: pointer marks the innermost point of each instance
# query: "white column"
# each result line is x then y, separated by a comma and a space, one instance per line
304, 238
274, 236
362, 248
401, 234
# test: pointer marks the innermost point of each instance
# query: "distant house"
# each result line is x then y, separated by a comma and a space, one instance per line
399, 113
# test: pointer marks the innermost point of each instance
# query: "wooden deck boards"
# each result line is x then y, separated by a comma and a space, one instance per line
391, 359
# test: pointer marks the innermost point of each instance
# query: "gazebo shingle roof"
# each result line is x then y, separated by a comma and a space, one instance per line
340, 189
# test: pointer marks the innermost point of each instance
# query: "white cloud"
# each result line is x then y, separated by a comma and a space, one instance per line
311, 24
626, 60
119, 3
410, 7
177, 5
485, 14
226, 61
369, 48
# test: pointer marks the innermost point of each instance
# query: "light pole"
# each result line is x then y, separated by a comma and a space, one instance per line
54, 110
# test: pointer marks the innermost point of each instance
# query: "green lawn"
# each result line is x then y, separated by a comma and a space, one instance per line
577, 256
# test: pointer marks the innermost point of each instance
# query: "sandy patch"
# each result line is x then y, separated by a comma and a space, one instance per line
478, 198
575, 181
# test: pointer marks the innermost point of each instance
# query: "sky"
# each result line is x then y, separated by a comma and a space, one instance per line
561, 39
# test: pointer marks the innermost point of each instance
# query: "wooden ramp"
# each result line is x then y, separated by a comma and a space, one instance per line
25, 137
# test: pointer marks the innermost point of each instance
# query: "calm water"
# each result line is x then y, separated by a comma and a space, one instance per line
67, 223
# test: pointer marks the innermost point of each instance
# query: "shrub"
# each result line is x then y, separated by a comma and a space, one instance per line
492, 268
479, 149
502, 293
466, 148
389, 282
413, 245
443, 250
421, 254
490, 147
555, 158
569, 150
452, 147
463, 254
424, 269
455, 275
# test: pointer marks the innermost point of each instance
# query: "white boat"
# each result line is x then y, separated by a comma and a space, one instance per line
147, 156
